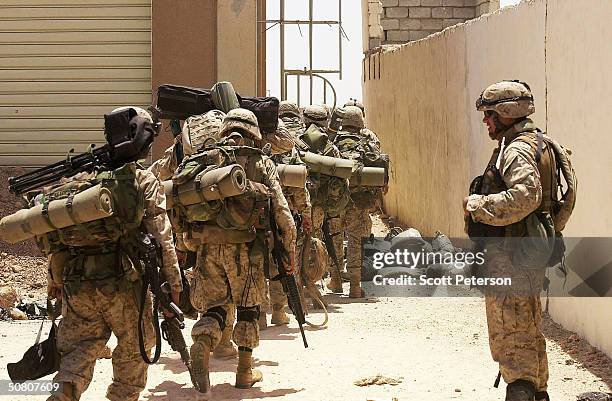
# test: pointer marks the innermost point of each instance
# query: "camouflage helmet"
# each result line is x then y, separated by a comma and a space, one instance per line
357, 103
315, 114
353, 117
197, 130
240, 119
139, 112
287, 108
509, 99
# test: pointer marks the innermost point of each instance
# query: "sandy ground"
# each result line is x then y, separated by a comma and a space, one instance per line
437, 347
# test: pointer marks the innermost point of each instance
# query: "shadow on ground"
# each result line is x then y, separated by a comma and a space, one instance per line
172, 391
583, 353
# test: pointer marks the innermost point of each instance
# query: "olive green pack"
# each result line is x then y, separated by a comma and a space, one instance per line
240, 212
128, 210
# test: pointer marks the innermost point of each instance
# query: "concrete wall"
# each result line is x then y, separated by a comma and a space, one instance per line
420, 98
237, 31
183, 48
197, 43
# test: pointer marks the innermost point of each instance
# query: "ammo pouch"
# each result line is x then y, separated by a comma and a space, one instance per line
39, 360
477, 230
535, 247
100, 267
558, 251
246, 211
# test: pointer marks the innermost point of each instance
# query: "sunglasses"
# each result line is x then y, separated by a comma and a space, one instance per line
488, 113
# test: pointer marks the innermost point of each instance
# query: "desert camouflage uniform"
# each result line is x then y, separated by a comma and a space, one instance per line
92, 314
164, 167
225, 274
514, 321
354, 224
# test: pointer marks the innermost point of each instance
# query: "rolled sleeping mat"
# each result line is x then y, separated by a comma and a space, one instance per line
220, 183
332, 166
92, 204
292, 175
368, 177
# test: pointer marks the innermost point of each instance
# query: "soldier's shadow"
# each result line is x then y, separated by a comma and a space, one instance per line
337, 299
171, 391
228, 392
176, 366
229, 365
223, 391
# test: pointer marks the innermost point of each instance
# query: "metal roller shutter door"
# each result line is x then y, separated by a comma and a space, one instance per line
63, 64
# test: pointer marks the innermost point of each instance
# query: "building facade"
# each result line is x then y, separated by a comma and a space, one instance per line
64, 64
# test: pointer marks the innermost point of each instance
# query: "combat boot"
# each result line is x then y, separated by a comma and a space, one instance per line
225, 349
262, 321
335, 284
246, 376
355, 280
200, 355
520, 390
279, 317
66, 394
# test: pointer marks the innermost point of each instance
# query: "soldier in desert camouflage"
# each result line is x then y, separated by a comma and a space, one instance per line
355, 220
197, 130
233, 273
514, 318
97, 301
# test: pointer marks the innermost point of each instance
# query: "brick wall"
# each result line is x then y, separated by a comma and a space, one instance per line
373, 28
406, 20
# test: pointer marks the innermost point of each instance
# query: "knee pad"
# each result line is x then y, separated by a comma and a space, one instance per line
217, 313
245, 314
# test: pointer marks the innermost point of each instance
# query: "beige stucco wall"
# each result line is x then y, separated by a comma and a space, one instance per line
237, 44
422, 107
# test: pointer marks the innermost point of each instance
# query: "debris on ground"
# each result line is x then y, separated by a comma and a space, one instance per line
8, 297
34, 310
584, 355
9, 204
26, 275
595, 396
378, 380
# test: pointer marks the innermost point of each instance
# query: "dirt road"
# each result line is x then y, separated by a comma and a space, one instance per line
437, 347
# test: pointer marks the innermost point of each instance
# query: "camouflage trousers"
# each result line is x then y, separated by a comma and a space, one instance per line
514, 319
277, 298
89, 318
516, 339
336, 230
224, 275
357, 225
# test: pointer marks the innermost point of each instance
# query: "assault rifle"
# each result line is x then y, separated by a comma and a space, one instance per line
281, 257
150, 254
329, 245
